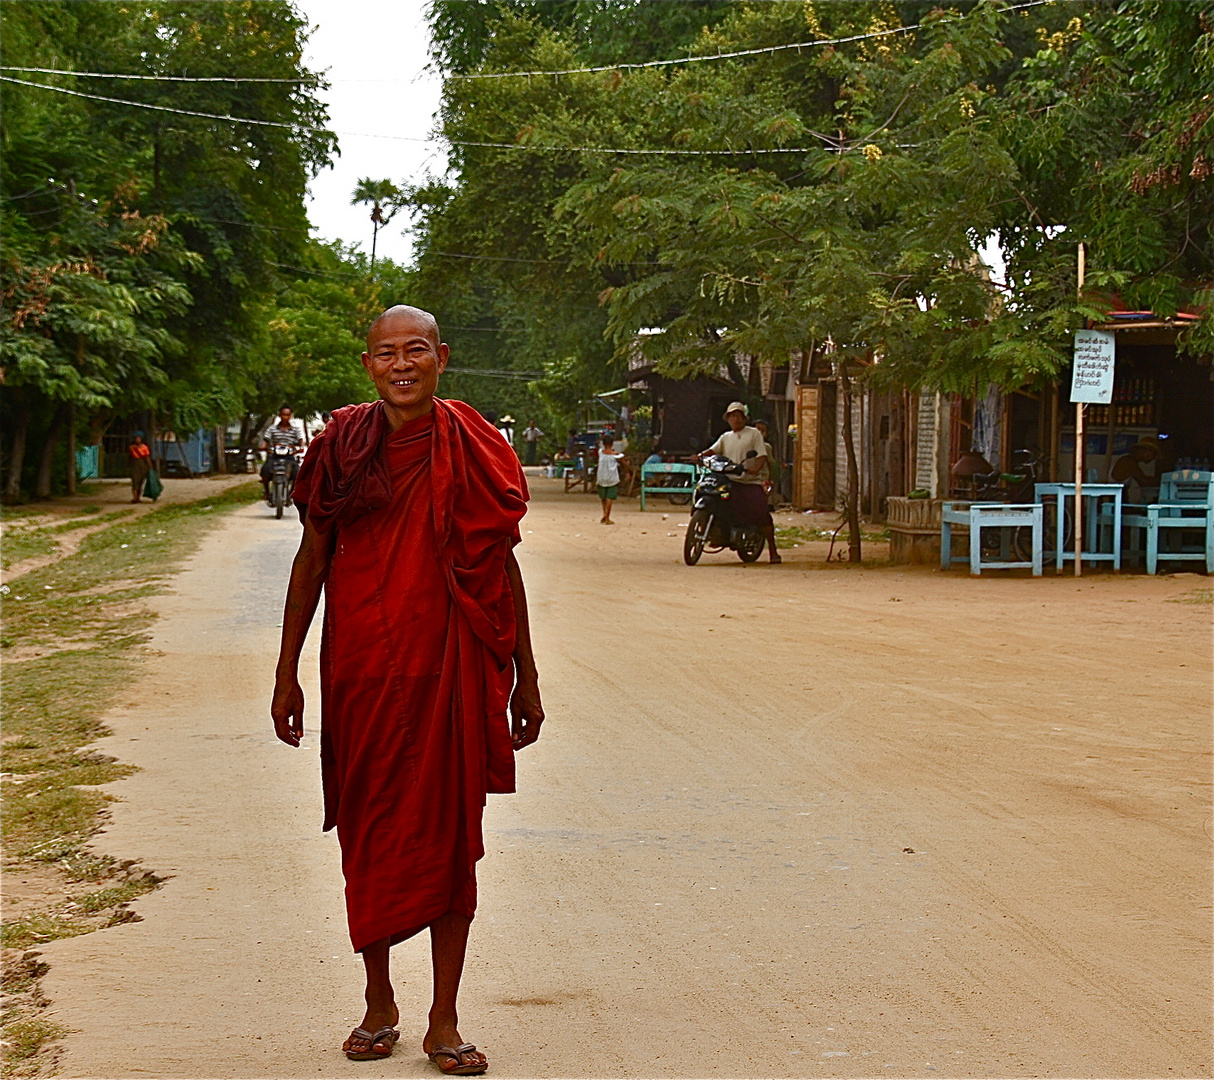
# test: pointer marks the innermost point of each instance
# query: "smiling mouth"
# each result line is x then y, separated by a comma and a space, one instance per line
404, 382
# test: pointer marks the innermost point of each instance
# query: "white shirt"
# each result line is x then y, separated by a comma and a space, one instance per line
609, 468
735, 445
532, 434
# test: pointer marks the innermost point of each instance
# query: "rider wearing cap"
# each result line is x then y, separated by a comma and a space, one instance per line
749, 497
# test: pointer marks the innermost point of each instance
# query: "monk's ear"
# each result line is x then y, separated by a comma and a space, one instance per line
444, 354
366, 358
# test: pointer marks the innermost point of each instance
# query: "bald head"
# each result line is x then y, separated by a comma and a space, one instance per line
417, 316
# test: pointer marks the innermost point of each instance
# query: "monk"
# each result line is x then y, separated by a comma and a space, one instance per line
411, 508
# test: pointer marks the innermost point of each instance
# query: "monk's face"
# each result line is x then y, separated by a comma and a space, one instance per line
404, 359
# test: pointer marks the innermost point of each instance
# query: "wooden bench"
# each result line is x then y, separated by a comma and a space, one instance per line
977, 516
581, 475
668, 470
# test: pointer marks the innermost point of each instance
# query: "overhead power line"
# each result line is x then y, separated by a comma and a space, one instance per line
528, 375
159, 78
159, 108
378, 135
636, 65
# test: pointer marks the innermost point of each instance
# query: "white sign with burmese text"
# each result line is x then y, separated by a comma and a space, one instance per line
1092, 372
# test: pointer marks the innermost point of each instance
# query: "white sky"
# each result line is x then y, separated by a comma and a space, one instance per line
376, 53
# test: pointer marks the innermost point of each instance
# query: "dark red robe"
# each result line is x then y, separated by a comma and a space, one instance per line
416, 655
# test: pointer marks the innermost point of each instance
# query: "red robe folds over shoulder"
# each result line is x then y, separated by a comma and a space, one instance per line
416, 656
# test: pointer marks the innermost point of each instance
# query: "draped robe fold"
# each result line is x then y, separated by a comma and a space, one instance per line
416, 654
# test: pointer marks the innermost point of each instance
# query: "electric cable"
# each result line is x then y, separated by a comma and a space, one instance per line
636, 65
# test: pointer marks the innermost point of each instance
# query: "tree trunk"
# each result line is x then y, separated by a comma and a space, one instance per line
221, 454
16, 457
42, 484
853, 472
71, 449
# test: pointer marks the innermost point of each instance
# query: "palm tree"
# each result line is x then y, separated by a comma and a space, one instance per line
381, 194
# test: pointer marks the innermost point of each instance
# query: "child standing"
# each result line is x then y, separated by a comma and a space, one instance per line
608, 478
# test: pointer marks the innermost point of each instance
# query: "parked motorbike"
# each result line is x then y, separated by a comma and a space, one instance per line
712, 525
281, 460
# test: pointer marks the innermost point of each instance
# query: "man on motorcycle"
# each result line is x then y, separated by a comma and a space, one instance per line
284, 433
749, 495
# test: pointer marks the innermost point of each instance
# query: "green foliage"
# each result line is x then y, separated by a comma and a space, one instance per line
896, 157
142, 247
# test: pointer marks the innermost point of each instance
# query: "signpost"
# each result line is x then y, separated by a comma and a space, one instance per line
1091, 384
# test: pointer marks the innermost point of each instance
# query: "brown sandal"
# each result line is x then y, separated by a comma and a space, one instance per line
387, 1035
457, 1055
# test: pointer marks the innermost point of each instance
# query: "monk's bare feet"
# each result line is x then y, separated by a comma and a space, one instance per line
375, 1020
447, 1050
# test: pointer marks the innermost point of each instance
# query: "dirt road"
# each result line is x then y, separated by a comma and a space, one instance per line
783, 822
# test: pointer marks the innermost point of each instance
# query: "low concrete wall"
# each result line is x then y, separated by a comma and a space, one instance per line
914, 530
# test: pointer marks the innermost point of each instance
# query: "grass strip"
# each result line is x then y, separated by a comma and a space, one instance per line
788, 536
71, 634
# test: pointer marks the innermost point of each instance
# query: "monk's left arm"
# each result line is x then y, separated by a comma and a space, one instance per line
526, 712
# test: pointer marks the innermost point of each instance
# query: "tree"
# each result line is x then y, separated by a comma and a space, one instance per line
837, 194
138, 271
381, 194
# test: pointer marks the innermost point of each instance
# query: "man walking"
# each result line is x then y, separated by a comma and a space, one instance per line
531, 436
411, 508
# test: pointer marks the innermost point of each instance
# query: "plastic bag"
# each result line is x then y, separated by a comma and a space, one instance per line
152, 487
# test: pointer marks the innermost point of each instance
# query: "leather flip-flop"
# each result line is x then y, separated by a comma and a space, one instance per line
384, 1034
457, 1054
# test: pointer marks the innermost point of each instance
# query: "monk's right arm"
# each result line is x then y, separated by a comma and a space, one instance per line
308, 573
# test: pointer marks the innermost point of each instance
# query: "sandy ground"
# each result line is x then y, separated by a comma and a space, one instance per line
784, 821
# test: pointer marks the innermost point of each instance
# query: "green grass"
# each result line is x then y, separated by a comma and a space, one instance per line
788, 536
23, 1039
82, 915
22, 544
73, 526
1197, 596
84, 613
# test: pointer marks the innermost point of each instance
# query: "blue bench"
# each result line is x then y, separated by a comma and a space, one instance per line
682, 486
1180, 526
976, 516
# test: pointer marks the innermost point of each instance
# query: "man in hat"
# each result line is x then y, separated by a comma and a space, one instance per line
749, 496
1140, 470
411, 508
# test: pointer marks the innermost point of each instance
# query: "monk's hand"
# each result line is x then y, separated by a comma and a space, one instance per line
526, 712
287, 709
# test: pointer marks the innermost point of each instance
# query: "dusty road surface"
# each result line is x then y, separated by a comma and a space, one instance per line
794, 821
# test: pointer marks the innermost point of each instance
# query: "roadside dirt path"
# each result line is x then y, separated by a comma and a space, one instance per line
107, 496
783, 822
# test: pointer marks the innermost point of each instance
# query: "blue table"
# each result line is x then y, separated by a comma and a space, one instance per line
1093, 514
977, 516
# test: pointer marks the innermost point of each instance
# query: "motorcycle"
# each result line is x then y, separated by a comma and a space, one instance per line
281, 460
712, 525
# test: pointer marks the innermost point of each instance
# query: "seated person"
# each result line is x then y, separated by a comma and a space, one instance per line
744, 446
284, 433
1140, 471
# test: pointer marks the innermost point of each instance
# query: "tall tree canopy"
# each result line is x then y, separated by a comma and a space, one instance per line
838, 191
143, 245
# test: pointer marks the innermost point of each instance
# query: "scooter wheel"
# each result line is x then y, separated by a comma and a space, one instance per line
750, 547
693, 539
